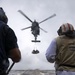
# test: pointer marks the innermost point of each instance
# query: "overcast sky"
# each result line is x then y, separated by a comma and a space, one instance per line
39, 10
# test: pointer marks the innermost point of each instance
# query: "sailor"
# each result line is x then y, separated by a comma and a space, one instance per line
62, 50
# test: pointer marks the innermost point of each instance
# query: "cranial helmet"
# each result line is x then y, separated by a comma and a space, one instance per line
3, 16
64, 28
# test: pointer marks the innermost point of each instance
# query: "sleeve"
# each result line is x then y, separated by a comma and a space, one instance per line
11, 39
51, 52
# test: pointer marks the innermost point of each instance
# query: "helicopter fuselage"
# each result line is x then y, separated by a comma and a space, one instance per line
35, 29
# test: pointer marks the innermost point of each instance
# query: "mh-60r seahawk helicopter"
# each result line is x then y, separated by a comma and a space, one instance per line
35, 28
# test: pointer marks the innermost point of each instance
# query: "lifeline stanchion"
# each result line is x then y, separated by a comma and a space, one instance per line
10, 68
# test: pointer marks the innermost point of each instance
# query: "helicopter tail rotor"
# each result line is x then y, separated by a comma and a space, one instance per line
35, 40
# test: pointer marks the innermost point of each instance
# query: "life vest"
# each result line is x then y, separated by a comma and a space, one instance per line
65, 53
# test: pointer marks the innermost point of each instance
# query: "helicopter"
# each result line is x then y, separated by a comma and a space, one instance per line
35, 28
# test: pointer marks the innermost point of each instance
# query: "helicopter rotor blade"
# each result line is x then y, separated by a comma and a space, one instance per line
48, 18
24, 15
43, 30
26, 28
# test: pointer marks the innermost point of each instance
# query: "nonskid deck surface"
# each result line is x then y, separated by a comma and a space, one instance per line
32, 72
